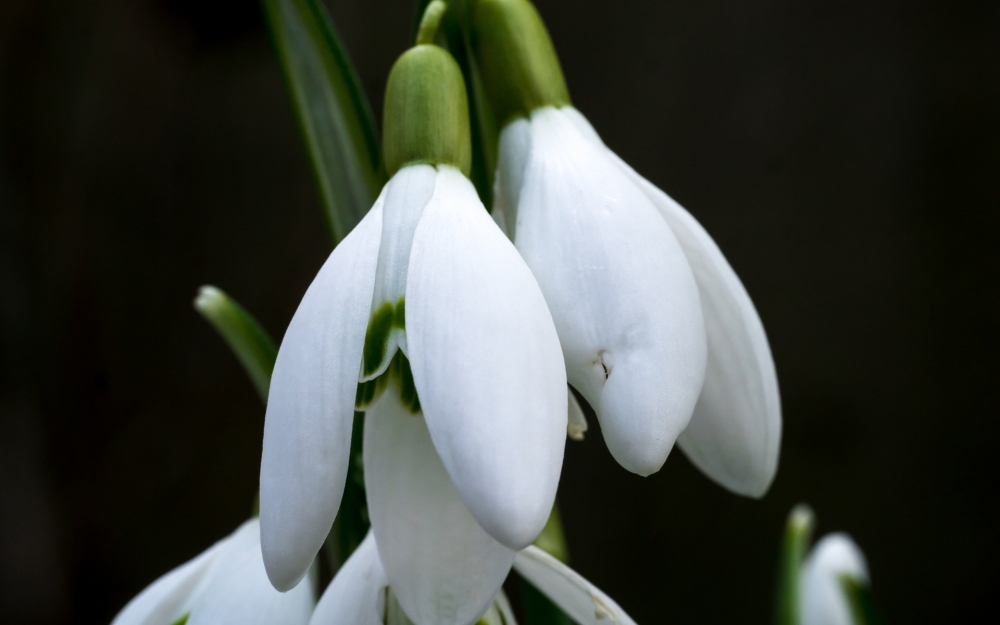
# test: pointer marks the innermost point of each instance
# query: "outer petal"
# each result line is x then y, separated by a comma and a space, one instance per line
735, 433
160, 603
356, 596
486, 362
577, 597
619, 287
236, 589
823, 601
310, 410
443, 567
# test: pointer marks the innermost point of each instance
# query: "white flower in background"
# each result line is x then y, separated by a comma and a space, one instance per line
225, 585
658, 333
360, 595
833, 584
426, 317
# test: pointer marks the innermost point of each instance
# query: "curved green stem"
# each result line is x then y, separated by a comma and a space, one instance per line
430, 22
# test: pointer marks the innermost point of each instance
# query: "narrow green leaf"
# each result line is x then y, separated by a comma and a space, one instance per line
333, 112
794, 544
250, 343
864, 610
183, 619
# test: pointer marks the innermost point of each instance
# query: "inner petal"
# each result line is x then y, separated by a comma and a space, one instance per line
407, 193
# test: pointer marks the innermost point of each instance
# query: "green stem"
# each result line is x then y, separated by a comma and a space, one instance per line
430, 21
794, 544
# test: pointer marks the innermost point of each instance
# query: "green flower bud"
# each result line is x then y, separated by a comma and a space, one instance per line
515, 55
426, 116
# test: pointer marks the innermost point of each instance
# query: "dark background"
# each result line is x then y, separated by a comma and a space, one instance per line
844, 155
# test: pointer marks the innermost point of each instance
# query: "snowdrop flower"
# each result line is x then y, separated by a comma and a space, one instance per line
427, 318
834, 584
224, 585
658, 333
360, 593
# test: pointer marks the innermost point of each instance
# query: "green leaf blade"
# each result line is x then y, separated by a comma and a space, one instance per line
333, 112
249, 342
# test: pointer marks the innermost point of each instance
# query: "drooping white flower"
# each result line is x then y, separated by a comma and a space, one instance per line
657, 331
360, 593
831, 577
426, 317
224, 585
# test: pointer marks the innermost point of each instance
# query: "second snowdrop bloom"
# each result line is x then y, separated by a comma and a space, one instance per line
834, 585
427, 318
657, 331
225, 585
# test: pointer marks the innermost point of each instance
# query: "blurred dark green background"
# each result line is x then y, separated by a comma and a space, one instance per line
845, 156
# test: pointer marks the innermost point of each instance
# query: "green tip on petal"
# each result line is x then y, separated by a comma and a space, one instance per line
426, 117
794, 545
183, 619
517, 60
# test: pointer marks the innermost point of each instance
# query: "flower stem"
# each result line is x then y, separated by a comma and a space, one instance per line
795, 543
430, 21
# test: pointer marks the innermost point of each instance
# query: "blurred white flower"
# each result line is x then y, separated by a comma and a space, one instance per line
657, 331
224, 585
832, 580
360, 595
464, 385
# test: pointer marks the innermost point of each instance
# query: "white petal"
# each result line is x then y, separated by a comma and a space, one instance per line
499, 210
356, 596
576, 426
582, 601
310, 410
442, 566
514, 150
735, 433
160, 603
406, 195
486, 363
822, 599
236, 590
620, 289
